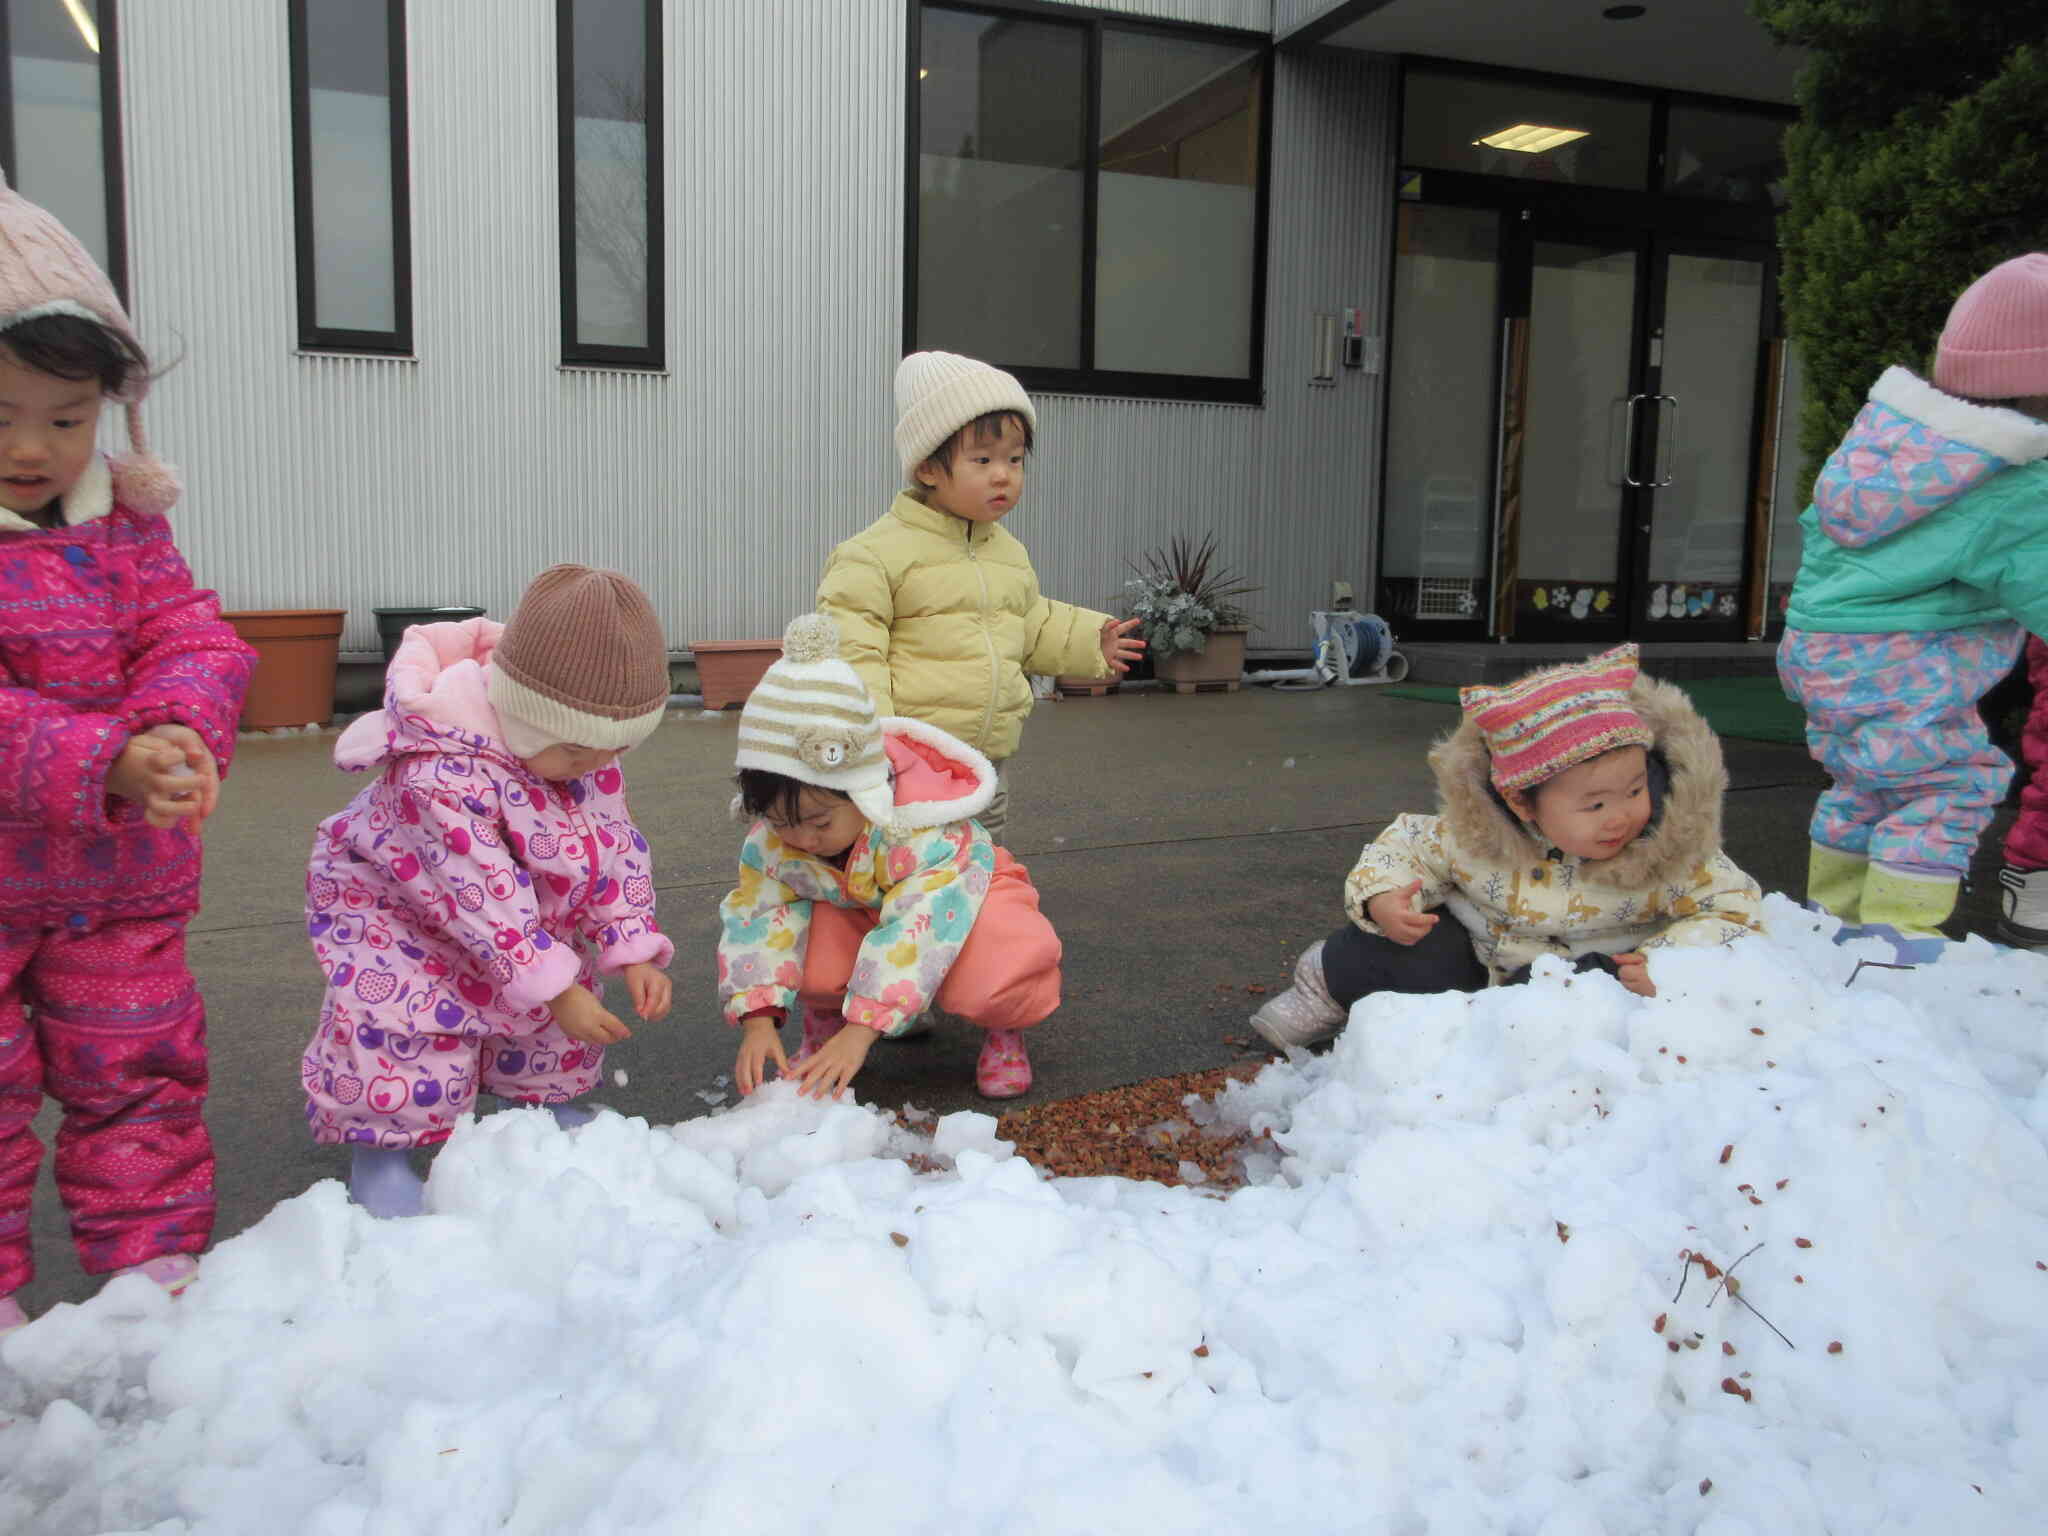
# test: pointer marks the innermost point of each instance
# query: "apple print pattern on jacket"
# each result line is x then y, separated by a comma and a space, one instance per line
451, 899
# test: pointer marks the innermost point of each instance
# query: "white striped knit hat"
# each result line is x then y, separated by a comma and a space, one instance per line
582, 662
938, 393
810, 719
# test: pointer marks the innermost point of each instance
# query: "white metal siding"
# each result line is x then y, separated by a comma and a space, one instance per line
352, 482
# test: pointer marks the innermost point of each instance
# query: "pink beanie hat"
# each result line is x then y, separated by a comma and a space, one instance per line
1551, 720
45, 271
1995, 345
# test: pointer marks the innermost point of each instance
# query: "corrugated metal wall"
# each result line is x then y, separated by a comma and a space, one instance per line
348, 482
1291, 14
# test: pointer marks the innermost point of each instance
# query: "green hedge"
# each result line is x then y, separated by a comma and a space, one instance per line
1919, 161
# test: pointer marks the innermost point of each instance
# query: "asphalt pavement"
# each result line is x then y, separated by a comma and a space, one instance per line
1186, 847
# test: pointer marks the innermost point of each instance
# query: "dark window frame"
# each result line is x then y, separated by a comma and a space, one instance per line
653, 357
314, 337
1248, 389
108, 20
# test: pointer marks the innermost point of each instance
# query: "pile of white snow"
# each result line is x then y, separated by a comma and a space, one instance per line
1459, 1300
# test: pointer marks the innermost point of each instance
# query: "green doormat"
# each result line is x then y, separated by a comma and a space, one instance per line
1751, 708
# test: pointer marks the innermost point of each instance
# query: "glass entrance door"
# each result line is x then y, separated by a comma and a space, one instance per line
1630, 425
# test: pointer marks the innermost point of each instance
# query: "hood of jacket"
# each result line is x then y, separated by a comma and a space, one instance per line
435, 699
937, 777
1685, 831
1912, 451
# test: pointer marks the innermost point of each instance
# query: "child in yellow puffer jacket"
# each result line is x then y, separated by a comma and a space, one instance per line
937, 606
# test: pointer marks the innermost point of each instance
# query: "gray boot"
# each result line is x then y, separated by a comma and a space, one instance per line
1305, 1012
2025, 920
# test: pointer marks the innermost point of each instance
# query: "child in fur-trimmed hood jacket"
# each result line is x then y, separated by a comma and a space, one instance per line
1581, 818
1925, 555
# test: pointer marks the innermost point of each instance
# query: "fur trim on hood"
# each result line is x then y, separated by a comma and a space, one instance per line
1686, 832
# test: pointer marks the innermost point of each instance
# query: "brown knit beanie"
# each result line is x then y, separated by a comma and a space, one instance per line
582, 661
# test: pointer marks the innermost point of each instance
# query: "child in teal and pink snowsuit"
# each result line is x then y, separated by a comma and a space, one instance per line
1925, 559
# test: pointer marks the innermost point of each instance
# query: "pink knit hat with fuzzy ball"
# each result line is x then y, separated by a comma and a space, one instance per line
1553, 719
45, 271
1995, 345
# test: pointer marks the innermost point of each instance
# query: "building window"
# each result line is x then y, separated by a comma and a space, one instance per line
60, 121
1087, 200
609, 103
351, 189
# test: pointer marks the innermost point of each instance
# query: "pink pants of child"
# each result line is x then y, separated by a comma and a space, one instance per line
1007, 975
2026, 845
108, 1022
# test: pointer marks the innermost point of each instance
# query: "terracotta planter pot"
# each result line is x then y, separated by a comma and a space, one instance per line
297, 650
1216, 666
728, 669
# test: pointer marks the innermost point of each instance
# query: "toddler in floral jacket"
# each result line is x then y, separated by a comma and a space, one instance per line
866, 890
1581, 819
454, 904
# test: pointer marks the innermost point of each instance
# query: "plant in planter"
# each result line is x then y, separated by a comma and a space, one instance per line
1186, 604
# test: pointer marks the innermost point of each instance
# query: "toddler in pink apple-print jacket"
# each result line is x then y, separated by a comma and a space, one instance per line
464, 904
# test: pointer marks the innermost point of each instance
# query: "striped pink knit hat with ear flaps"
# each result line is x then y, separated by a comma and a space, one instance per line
1553, 719
45, 271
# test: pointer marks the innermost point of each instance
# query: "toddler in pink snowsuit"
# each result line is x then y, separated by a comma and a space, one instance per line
119, 690
453, 902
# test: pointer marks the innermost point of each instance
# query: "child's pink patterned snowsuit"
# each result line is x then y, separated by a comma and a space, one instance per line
452, 900
102, 635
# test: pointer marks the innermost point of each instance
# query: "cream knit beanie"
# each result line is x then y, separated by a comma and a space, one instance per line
45, 271
938, 393
582, 662
810, 719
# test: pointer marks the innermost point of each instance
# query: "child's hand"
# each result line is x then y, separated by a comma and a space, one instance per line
833, 1064
152, 772
584, 1018
198, 760
1118, 648
759, 1044
649, 988
1632, 970
1394, 912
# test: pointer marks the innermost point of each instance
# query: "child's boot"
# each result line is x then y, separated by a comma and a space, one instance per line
1834, 881
2025, 893
569, 1116
382, 1181
1305, 1012
1909, 910
1004, 1071
172, 1271
11, 1316
820, 1025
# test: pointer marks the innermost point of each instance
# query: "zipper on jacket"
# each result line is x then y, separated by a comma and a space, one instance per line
988, 639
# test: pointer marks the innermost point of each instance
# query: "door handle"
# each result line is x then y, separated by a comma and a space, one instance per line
1628, 446
1670, 438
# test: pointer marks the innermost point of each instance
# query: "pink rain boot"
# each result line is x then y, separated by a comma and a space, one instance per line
1004, 1071
172, 1271
11, 1316
820, 1025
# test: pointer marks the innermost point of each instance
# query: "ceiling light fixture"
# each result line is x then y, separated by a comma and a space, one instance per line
1530, 138
1624, 12
84, 23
